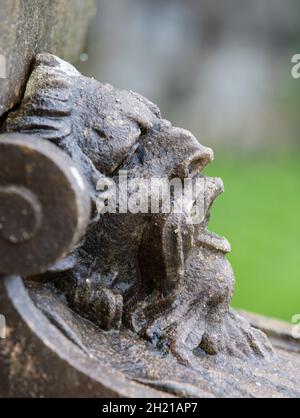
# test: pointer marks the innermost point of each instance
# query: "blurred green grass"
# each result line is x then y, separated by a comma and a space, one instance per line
260, 215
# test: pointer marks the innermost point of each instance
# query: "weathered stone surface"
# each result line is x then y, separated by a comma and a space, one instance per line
93, 364
160, 284
30, 27
33, 236
163, 275
36, 360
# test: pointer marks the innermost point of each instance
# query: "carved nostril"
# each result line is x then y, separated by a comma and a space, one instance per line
200, 159
195, 167
195, 163
189, 156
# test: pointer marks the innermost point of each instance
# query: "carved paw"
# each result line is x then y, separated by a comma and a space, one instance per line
176, 332
180, 334
98, 304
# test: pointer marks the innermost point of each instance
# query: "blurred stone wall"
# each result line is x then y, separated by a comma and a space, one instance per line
219, 68
28, 27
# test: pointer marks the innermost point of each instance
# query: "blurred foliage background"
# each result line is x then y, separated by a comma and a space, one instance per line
223, 71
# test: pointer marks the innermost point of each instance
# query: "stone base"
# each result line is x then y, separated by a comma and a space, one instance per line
38, 360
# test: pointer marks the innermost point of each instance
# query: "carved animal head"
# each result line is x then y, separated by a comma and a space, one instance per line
166, 278
105, 130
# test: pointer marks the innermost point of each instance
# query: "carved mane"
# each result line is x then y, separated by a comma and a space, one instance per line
47, 104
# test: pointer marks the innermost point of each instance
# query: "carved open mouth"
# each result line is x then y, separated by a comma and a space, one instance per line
213, 188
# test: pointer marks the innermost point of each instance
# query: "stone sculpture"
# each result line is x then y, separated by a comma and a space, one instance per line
158, 275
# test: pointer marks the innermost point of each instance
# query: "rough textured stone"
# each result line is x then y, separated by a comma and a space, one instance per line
92, 363
30, 27
162, 275
160, 285
33, 236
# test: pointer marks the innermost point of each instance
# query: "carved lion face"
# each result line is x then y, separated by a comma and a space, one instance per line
106, 130
165, 278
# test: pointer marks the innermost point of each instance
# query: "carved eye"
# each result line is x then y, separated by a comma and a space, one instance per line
131, 157
144, 129
100, 133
